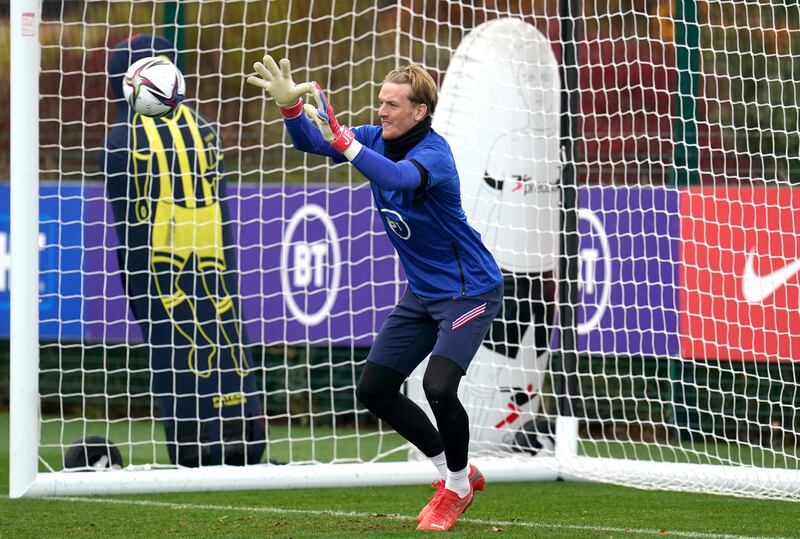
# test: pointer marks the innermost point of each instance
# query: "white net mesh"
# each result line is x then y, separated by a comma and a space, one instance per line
685, 159
143, 344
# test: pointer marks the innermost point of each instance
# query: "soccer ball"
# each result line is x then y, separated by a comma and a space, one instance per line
153, 87
92, 453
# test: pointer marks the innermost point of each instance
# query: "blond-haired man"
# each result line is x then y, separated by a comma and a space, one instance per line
454, 284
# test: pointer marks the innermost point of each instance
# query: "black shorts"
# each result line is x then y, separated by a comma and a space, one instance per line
450, 327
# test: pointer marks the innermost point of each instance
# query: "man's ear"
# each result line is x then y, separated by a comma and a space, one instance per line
420, 112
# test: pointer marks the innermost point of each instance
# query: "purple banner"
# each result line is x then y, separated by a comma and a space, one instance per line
629, 261
314, 267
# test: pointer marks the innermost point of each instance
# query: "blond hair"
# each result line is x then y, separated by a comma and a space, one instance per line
423, 88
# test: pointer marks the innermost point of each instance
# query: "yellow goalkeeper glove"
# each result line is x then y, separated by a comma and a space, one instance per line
277, 81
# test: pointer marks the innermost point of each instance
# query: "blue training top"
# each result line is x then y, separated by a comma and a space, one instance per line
442, 255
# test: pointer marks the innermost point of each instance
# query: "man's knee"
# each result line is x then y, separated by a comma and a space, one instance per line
438, 390
366, 394
378, 385
373, 395
441, 380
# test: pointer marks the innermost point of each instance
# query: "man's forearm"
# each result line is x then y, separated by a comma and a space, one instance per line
307, 138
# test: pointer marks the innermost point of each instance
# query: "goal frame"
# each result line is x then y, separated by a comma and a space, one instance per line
25, 479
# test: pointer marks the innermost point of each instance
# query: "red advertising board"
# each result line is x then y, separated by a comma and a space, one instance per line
740, 277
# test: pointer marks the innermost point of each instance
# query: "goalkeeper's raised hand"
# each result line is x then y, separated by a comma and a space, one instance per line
277, 81
341, 138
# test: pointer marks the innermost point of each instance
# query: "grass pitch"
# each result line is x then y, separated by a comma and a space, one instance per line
546, 509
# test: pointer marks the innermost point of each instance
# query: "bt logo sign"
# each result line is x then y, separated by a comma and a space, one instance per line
310, 264
594, 271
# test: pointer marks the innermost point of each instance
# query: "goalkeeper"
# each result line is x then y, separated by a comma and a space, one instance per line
454, 284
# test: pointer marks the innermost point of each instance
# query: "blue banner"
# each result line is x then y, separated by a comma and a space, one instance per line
60, 259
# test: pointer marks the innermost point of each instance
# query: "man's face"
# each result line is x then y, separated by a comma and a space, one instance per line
397, 112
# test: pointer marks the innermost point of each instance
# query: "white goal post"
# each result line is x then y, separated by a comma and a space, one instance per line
24, 349
172, 362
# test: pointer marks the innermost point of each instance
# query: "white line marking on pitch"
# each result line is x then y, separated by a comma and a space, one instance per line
483, 522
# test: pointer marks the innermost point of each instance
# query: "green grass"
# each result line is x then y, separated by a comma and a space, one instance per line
543, 509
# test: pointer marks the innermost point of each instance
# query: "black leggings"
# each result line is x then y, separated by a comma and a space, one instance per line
379, 390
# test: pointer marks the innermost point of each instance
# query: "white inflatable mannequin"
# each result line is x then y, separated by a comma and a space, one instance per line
499, 108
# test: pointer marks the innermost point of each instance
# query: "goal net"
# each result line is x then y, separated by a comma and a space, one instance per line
207, 294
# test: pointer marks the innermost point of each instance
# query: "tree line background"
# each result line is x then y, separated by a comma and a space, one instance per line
747, 101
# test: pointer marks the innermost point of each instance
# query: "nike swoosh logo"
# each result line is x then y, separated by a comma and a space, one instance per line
757, 288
